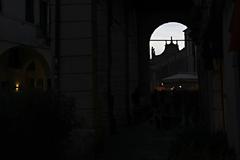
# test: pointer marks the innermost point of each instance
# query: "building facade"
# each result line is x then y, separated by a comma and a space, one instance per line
26, 57
218, 65
173, 61
95, 46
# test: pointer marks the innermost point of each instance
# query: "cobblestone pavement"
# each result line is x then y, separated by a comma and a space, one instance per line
141, 142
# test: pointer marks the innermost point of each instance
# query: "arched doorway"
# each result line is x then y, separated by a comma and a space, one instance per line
23, 69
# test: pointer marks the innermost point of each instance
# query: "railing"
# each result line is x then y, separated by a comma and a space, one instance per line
170, 40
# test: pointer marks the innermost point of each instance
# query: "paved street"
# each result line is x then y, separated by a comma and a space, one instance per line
141, 142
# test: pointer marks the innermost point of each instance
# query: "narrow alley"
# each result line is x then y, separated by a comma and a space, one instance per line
120, 79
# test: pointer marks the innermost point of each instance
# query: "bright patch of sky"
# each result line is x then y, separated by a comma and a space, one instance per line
165, 32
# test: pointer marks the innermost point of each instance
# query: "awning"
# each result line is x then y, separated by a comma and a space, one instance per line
187, 77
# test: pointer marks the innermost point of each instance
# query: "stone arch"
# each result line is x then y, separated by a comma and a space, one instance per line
159, 45
16, 69
155, 26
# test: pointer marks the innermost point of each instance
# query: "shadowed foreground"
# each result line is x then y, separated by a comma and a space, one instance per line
141, 142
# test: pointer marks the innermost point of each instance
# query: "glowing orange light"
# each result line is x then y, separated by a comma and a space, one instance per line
17, 87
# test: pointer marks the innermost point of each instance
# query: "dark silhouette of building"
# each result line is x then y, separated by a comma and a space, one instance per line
174, 63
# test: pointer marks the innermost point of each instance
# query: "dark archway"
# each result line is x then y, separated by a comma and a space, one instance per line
23, 68
148, 21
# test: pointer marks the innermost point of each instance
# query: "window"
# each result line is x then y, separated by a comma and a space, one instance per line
44, 16
39, 83
29, 10
0, 5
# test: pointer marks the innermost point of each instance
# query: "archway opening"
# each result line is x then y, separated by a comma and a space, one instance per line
163, 34
23, 69
173, 75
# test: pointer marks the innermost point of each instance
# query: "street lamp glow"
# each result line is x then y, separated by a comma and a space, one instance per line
17, 87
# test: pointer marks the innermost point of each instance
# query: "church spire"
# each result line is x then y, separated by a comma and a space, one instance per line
171, 40
153, 52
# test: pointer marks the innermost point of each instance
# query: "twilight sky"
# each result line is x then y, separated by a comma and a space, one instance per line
166, 31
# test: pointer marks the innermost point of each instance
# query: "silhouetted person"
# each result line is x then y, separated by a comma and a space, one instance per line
153, 52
